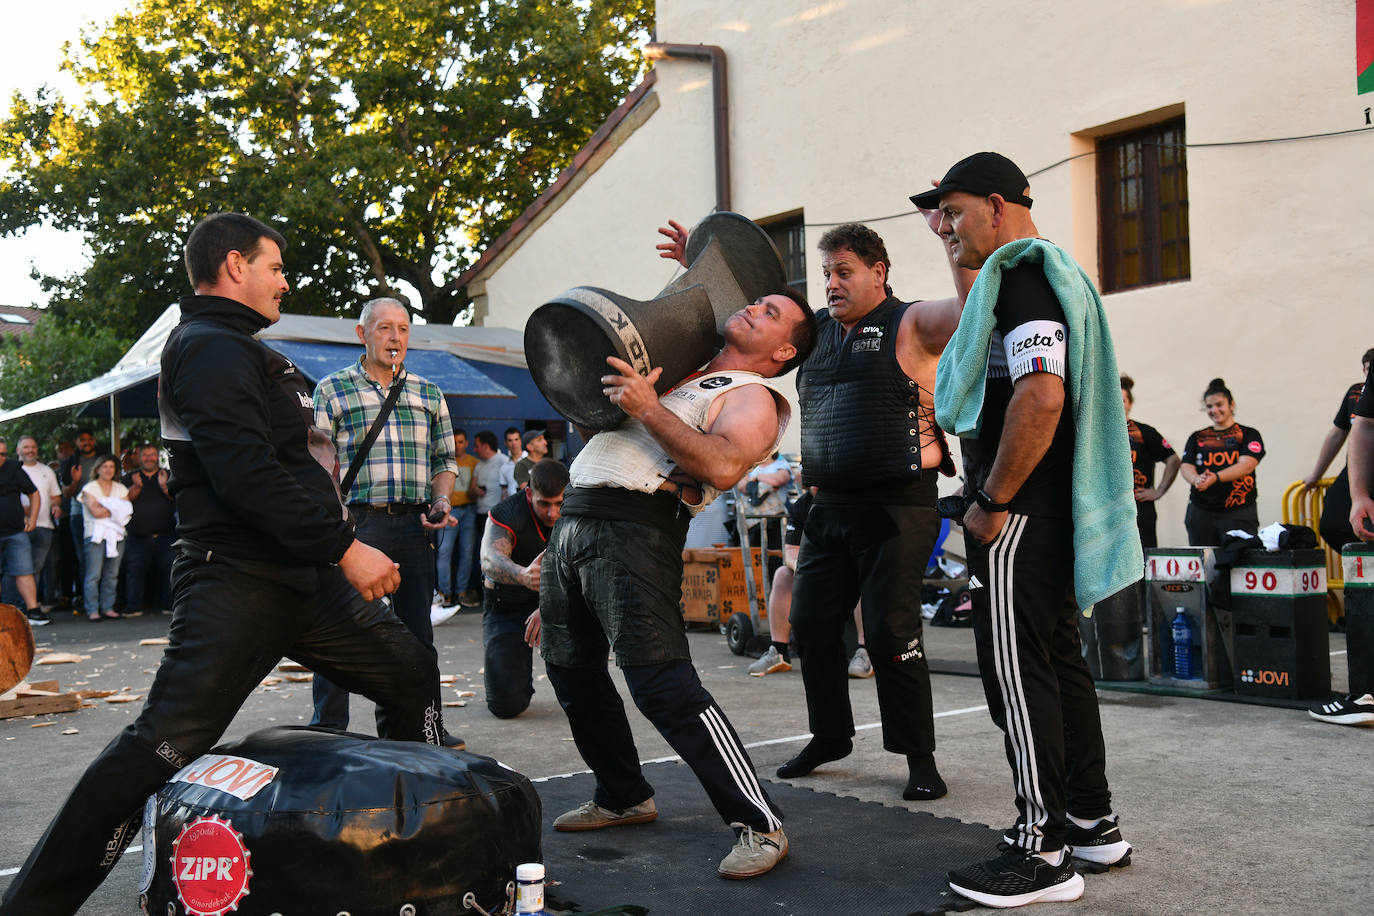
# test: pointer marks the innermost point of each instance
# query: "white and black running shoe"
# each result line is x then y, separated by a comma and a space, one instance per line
1346, 710
1016, 878
1101, 843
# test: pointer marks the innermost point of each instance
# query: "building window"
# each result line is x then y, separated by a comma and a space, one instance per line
1142, 194
788, 232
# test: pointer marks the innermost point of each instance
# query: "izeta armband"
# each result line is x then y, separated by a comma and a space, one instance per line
985, 502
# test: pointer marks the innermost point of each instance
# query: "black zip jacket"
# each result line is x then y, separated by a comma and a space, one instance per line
237, 418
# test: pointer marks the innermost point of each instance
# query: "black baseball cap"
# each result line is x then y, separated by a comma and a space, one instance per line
530, 435
982, 174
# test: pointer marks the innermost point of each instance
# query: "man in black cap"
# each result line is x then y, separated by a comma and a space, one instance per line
1002, 388
536, 450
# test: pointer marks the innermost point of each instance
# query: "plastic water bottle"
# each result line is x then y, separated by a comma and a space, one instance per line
1183, 646
529, 888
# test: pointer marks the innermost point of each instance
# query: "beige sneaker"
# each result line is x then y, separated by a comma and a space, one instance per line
591, 816
754, 853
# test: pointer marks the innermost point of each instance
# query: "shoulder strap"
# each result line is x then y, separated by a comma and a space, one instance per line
356, 465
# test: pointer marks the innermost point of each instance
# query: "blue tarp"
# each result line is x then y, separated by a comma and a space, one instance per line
460, 380
454, 376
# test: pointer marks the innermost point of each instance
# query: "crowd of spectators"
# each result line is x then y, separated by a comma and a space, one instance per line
85, 531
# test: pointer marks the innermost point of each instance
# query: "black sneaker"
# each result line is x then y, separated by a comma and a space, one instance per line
38, 617
1016, 878
1346, 710
1101, 843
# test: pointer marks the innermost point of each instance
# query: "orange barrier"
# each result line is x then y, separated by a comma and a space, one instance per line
1302, 506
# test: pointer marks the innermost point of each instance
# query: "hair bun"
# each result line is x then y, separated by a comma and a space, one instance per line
1217, 383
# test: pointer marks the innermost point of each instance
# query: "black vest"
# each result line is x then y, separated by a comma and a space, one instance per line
528, 539
858, 408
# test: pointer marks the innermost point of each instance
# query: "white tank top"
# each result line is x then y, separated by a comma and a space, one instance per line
631, 458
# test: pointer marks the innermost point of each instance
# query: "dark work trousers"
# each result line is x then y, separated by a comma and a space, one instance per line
508, 663
876, 553
1335, 521
1039, 691
230, 627
672, 698
1146, 519
617, 585
402, 538
142, 553
1208, 527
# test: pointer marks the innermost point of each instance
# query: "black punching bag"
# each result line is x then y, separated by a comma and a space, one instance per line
294, 820
732, 262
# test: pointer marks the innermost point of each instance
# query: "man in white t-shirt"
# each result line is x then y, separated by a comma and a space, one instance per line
50, 506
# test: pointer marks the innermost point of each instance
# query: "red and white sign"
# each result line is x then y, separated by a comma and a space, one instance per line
239, 776
1180, 568
1278, 582
1358, 570
210, 867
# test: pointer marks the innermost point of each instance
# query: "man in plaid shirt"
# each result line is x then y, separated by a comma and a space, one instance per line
409, 471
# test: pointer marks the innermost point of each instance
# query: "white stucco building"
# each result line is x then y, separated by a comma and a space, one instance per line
840, 109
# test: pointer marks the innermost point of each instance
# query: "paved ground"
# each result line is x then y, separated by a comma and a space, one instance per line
1232, 808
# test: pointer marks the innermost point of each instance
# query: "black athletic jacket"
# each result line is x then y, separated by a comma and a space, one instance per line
237, 419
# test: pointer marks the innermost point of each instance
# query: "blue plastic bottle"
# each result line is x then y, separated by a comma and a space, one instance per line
1183, 647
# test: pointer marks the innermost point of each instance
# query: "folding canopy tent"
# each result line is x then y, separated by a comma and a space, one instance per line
481, 371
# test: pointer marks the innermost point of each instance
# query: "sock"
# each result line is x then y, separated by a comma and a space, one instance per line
1087, 823
925, 782
783, 650
1054, 858
819, 751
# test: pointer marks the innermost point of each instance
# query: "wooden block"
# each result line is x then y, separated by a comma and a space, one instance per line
39, 706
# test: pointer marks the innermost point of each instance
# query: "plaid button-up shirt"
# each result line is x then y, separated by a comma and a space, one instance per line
415, 444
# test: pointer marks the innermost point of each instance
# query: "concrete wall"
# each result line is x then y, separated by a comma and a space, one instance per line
844, 108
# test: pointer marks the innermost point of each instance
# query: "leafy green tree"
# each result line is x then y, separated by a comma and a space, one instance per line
56, 356
391, 140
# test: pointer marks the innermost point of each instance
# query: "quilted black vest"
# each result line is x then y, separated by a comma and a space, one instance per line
858, 408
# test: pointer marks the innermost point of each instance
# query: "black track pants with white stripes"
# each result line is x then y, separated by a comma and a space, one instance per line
1038, 687
671, 696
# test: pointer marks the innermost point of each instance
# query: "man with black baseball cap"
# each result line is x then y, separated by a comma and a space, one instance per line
1029, 382
982, 174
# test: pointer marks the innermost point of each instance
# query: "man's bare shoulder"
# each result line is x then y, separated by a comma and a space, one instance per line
929, 324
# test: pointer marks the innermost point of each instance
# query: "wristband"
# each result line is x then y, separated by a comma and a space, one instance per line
985, 502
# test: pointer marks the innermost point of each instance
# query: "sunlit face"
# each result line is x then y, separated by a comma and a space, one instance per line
538, 447
765, 326
546, 508
966, 225
513, 444
1220, 410
106, 470
852, 288
28, 450
388, 336
262, 280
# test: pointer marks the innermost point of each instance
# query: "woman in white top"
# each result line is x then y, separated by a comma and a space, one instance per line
105, 501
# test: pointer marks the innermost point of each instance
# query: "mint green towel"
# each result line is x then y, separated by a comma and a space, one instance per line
1106, 544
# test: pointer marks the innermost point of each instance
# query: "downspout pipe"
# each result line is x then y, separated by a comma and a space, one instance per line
720, 93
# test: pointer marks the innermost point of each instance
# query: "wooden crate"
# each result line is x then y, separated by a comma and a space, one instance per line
713, 585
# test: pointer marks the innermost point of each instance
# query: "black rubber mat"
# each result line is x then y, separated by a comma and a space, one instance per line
847, 856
